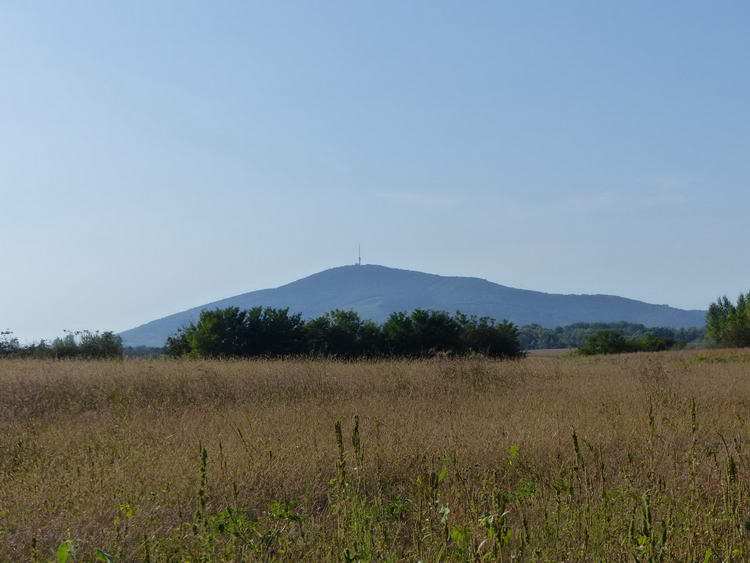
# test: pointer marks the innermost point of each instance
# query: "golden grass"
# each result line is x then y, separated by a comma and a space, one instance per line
641, 457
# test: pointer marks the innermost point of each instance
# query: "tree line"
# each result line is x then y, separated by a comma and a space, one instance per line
272, 332
727, 325
609, 341
81, 344
536, 337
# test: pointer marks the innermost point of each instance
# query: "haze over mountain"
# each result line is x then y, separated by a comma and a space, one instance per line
377, 291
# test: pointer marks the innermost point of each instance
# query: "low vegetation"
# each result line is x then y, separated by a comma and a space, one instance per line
535, 337
612, 342
638, 457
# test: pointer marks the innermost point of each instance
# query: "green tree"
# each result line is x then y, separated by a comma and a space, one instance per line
273, 332
9, 345
612, 342
371, 339
398, 335
218, 333
178, 344
93, 345
485, 336
434, 331
65, 347
607, 342
651, 343
343, 334
728, 324
235, 333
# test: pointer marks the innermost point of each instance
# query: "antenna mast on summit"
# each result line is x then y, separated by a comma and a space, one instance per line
359, 255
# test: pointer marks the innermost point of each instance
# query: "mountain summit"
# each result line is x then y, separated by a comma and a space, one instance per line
377, 291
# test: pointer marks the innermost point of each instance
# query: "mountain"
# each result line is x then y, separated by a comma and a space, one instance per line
376, 291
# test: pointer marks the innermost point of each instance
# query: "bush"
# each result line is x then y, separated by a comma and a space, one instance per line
606, 342
484, 336
93, 345
343, 334
233, 333
612, 342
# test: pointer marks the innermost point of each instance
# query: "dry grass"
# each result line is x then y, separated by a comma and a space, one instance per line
641, 457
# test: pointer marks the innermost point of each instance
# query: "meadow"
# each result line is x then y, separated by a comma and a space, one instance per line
638, 457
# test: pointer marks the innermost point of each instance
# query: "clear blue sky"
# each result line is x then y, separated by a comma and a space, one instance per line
159, 155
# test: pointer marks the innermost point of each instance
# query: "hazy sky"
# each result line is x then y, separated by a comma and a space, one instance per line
160, 155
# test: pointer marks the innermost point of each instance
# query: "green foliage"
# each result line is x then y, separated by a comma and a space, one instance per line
423, 333
606, 342
728, 324
342, 334
82, 344
177, 345
103, 556
8, 344
434, 331
232, 332
650, 343
65, 347
92, 345
398, 334
487, 337
273, 332
612, 342
64, 551
536, 337
222, 332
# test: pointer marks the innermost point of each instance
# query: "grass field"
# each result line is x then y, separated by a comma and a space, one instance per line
642, 457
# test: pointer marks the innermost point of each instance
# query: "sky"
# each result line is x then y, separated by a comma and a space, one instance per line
159, 155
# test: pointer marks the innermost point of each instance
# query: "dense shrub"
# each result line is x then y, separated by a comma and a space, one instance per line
343, 334
232, 332
94, 345
83, 344
612, 342
273, 332
485, 336
534, 336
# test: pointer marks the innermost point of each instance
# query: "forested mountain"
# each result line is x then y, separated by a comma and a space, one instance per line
376, 291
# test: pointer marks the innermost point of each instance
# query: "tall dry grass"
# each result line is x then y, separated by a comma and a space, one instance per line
641, 457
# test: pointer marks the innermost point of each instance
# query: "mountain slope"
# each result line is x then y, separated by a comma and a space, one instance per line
376, 291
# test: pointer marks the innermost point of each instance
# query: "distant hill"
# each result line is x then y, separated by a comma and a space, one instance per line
376, 291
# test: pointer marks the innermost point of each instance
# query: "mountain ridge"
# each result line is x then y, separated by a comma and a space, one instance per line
375, 291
